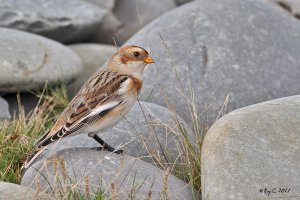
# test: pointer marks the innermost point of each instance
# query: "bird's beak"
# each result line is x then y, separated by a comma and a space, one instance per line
148, 59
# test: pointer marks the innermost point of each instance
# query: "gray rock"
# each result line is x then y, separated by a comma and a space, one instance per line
253, 150
249, 50
17, 192
93, 56
292, 6
28, 102
127, 17
64, 21
28, 61
115, 175
159, 135
4, 112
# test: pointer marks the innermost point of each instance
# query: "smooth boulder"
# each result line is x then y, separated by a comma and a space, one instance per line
63, 21
18, 192
28, 61
117, 176
220, 55
254, 153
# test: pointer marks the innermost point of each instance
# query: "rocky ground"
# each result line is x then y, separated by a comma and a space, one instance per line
232, 65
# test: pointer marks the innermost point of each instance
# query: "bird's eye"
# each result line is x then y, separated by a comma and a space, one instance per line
136, 54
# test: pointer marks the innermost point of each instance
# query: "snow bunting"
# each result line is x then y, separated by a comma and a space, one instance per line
102, 101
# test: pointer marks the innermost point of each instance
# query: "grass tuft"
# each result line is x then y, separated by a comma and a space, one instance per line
18, 135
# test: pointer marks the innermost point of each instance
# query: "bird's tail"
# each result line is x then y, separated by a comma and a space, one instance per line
32, 157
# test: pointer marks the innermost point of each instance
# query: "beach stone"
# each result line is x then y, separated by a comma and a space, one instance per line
63, 21
127, 17
4, 112
18, 192
152, 130
254, 153
93, 56
118, 176
231, 53
29, 61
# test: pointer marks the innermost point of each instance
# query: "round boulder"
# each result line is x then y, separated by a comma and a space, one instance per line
254, 153
28, 61
92, 172
64, 21
221, 55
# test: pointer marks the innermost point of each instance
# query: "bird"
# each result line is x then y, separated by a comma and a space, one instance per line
104, 100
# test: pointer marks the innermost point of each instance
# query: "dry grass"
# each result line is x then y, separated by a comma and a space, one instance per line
18, 136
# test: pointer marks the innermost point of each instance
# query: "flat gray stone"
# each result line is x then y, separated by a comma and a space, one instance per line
249, 50
252, 151
4, 112
158, 134
93, 56
28, 61
64, 21
115, 175
18, 192
127, 17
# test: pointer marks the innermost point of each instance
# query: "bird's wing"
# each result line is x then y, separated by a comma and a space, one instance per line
100, 94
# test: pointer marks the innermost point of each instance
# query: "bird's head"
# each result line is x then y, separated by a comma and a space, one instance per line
131, 60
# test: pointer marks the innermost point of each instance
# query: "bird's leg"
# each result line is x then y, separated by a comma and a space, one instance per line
104, 145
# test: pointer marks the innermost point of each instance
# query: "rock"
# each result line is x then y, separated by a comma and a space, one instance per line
292, 6
4, 113
127, 17
28, 61
64, 21
248, 50
253, 150
115, 175
159, 135
93, 56
17, 192
28, 102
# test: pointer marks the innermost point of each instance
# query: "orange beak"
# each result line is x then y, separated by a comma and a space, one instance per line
148, 59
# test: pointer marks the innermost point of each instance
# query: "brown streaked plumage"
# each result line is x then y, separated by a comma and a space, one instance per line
102, 101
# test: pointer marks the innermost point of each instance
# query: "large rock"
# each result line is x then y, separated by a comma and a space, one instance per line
93, 56
64, 21
17, 192
4, 112
152, 130
116, 176
28, 61
254, 153
127, 17
248, 50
